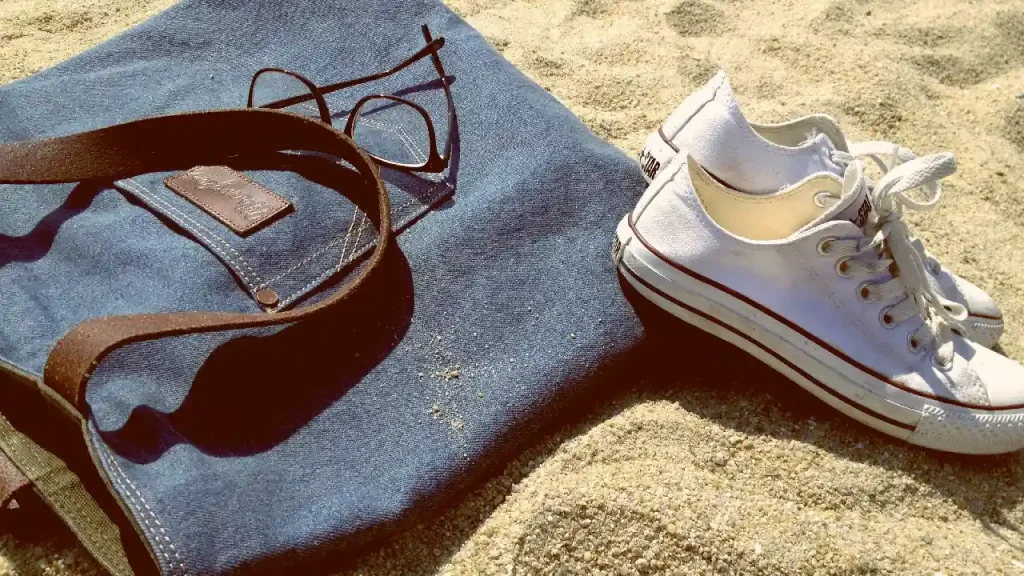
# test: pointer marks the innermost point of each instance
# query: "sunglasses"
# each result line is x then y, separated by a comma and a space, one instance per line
408, 125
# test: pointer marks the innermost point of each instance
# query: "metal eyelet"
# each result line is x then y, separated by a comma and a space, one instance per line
842, 268
937, 364
822, 250
864, 293
912, 344
885, 319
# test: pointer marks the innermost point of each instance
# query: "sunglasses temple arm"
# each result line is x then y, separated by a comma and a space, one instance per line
433, 56
436, 60
430, 48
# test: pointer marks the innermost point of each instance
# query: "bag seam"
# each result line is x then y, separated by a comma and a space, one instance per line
351, 228
359, 236
418, 154
5, 360
431, 196
211, 238
325, 248
118, 474
178, 215
153, 197
399, 130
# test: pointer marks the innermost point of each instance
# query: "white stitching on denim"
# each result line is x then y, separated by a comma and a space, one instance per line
429, 193
160, 548
351, 227
356, 248
416, 152
309, 105
404, 136
181, 563
359, 236
335, 242
399, 131
39, 460
145, 193
348, 236
327, 274
215, 237
325, 248
406, 139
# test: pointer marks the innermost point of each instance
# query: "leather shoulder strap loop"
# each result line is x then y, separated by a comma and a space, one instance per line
178, 142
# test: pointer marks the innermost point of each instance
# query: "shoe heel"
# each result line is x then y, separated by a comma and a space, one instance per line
621, 241
654, 156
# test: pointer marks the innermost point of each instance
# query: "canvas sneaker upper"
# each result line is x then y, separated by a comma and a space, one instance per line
756, 160
858, 293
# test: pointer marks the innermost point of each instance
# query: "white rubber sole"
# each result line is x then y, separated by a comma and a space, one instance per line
920, 420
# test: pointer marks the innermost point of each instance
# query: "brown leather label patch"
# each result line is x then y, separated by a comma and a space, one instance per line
229, 196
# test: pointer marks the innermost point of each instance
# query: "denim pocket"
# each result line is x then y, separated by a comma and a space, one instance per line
290, 257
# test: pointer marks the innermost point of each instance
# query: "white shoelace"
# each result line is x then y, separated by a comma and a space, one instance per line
891, 244
887, 156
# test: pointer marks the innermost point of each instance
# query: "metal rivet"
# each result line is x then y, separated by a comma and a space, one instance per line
843, 267
886, 319
267, 297
912, 344
823, 245
864, 292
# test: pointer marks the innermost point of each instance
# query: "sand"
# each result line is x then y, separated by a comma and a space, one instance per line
730, 469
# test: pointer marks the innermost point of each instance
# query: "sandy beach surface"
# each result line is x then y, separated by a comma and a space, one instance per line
730, 469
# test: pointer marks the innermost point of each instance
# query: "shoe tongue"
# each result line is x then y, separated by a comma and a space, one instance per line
822, 126
853, 206
822, 133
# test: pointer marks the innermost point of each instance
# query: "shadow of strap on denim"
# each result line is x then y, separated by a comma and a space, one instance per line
179, 142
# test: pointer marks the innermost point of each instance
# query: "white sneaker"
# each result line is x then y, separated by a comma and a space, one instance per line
765, 158
847, 310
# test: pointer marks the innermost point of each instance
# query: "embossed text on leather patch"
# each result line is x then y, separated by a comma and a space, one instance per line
227, 195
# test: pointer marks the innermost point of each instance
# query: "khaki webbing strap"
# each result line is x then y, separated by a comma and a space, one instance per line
64, 492
168, 143
11, 479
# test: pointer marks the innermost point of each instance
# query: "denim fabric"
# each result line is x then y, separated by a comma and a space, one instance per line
246, 452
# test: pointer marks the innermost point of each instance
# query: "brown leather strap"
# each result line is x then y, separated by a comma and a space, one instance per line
174, 143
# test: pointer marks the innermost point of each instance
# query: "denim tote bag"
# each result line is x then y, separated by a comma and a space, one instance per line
291, 444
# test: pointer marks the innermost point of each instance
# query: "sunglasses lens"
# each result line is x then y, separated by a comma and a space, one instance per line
392, 131
272, 89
